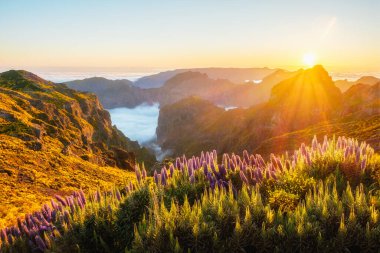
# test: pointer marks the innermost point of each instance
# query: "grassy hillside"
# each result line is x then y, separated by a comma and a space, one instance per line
55, 140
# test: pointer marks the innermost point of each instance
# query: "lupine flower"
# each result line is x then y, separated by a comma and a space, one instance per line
163, 179
61, 200
66, 216
314, 143
3, 235
40, 243
177, 163
192, 179
144, 173
363, 163
243, 177
118, 195
138, 173
222, 170
155, 177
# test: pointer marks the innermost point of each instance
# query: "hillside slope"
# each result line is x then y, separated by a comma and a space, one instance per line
55, 139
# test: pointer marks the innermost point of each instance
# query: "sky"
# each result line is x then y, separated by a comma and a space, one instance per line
143, 35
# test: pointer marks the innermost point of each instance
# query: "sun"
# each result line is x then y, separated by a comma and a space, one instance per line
309, 59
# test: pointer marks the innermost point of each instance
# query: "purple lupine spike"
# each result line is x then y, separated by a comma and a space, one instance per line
98, 196
308, 159
243, 177
198, 162
155, 177
184, 160
222, 171
325, 139
279, 164
212, 185
19, 223
223, 183
80, 203
66, 216
212, 166
267, 174
118, 195
205, 168
192, 179
60, 207
363, 163
3, 235
190, 171
202, 157
314, 143
295, 156
231, 165
40, 243
131, 186
143, 174
260, 160
190, 163
358, 154
163, 179
339, 143
252, 160
177, 163
243, 168
25, 230
138, 173
163, 171
303, 149
83, 197
61, 200
208, 175
239, 162
171, 169
10, 239
225, 158
346, 153
245, 156
207, 157
215, 155
288, 164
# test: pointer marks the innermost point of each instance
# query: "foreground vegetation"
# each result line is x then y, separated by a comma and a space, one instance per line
321, 198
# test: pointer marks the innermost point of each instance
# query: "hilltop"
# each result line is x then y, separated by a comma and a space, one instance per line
55, 139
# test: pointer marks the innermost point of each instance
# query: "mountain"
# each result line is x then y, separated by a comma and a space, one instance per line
182, 85
344, 85
234, 75
307, 99
250, 93
54, 139
111, 93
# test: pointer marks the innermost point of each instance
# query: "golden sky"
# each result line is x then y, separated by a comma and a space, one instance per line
341, 35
